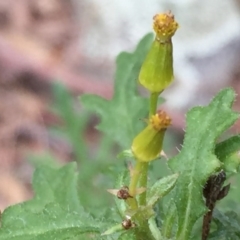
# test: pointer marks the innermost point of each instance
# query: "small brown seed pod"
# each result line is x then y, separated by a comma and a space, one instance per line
127, 223
123, 193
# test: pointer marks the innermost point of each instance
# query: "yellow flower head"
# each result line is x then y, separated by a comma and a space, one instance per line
160, 120
165, 26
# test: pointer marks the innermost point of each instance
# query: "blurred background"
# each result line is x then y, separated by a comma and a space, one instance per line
75, 43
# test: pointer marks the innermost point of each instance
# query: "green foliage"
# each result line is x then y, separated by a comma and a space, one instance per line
122, 113
54, 213
227, 152
71, 201
73, 123
197, 161
161, 188
228, 226
73, 128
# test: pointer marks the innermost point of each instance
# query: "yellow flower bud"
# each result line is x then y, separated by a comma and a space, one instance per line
157, 70
147, 145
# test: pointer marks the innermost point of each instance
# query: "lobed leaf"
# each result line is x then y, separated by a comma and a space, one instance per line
124, 111
54, 213
196, 161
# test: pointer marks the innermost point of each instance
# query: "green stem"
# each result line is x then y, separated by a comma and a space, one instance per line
143, 183
143, 232
134, 178
153, 103
132, 203
144, 173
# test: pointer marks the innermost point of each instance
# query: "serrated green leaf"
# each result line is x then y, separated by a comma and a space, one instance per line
54, 213
160, 188
228, 153
124, 111
196, 161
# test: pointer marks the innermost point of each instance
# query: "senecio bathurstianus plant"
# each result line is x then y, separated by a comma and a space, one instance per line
156, 74
179, 206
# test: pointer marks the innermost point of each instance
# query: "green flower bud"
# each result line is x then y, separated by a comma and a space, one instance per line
147, 145
157, 70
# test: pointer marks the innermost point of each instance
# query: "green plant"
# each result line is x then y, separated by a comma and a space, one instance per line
181, 194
